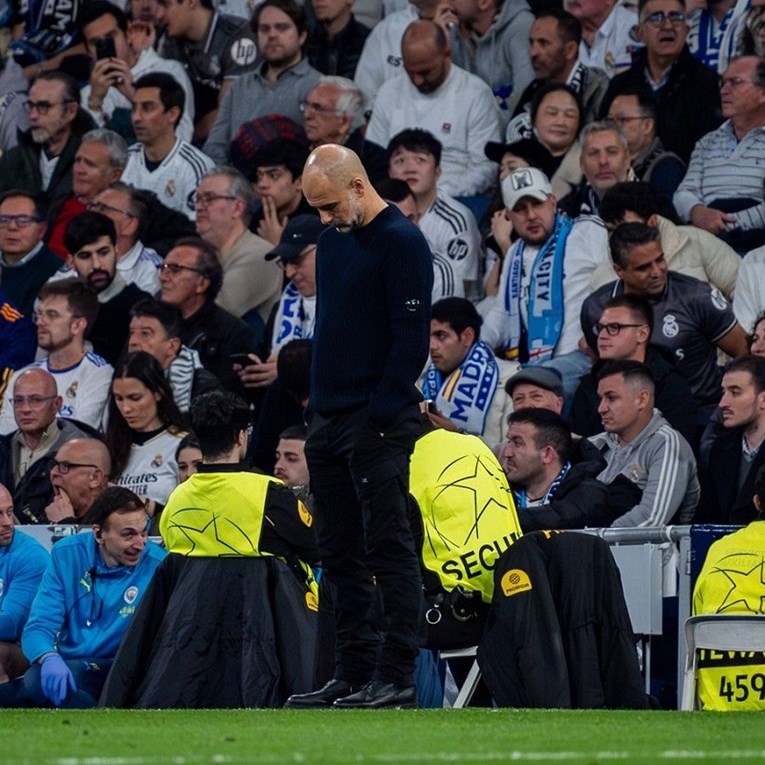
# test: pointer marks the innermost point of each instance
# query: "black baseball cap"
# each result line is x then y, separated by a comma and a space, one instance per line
542, 377
299, 232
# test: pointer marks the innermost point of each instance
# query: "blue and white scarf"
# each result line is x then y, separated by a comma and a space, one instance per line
544, 322
465, 395
290, 318
522, 499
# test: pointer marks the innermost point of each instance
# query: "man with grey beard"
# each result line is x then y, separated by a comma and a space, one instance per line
42, 162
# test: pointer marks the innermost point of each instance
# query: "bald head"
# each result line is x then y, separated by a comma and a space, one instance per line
39, 379
338, 163
81, 472
89, 450
336, 184
426, 33
426, 55
35, 402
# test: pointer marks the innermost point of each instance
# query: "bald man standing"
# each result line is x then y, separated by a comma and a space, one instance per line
374, 276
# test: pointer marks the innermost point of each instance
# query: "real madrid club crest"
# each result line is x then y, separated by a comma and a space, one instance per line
157, 461
669, 326
170, 188
71, 391
634, 473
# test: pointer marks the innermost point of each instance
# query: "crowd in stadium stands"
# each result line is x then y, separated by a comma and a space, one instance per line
589, 177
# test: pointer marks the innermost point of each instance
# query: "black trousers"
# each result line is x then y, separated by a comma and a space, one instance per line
360, 482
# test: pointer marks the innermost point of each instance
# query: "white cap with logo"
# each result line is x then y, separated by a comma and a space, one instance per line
525, 182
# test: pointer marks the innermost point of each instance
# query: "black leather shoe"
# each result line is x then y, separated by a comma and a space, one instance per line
333, 690
379, 695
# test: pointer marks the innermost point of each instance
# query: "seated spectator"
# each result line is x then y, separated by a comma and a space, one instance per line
650, 468
635, 113
462, 520
536, 388
295, 314
735, 457
276, 172
108, 96
605, 161
624, 332
144, 429
190, 280
551, 146
223, 202
336, 39
549, 491
687, 249
606, 41
554, 40
41, 163
449, 227
160, 160
722, 190
90, 241
556, 119
491, 40
155, 328
691, 318
213, 48
27, 454
128, 209
730, 583
66, 311
278, 86
99, 161
445, 280
430, 90
686, 93
22, 563
148, 237
25, 262
70, 660
541, 328
79, 474
237, 540
464, 382
188, 455
333, 112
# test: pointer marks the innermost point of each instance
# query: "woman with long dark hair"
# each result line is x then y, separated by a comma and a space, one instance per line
145, 428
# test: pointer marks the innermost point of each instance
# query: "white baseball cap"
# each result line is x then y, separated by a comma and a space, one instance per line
525, 182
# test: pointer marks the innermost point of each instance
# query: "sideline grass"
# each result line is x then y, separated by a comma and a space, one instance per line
121, 737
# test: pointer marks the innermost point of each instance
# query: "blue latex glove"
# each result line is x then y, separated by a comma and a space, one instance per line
56, 679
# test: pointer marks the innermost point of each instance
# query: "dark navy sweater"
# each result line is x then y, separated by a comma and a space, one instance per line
372, 317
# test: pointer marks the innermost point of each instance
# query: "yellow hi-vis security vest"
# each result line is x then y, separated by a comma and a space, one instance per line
732, 581
220, 515
467, 509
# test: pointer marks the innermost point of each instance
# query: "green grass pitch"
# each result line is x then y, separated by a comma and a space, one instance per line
118, 737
